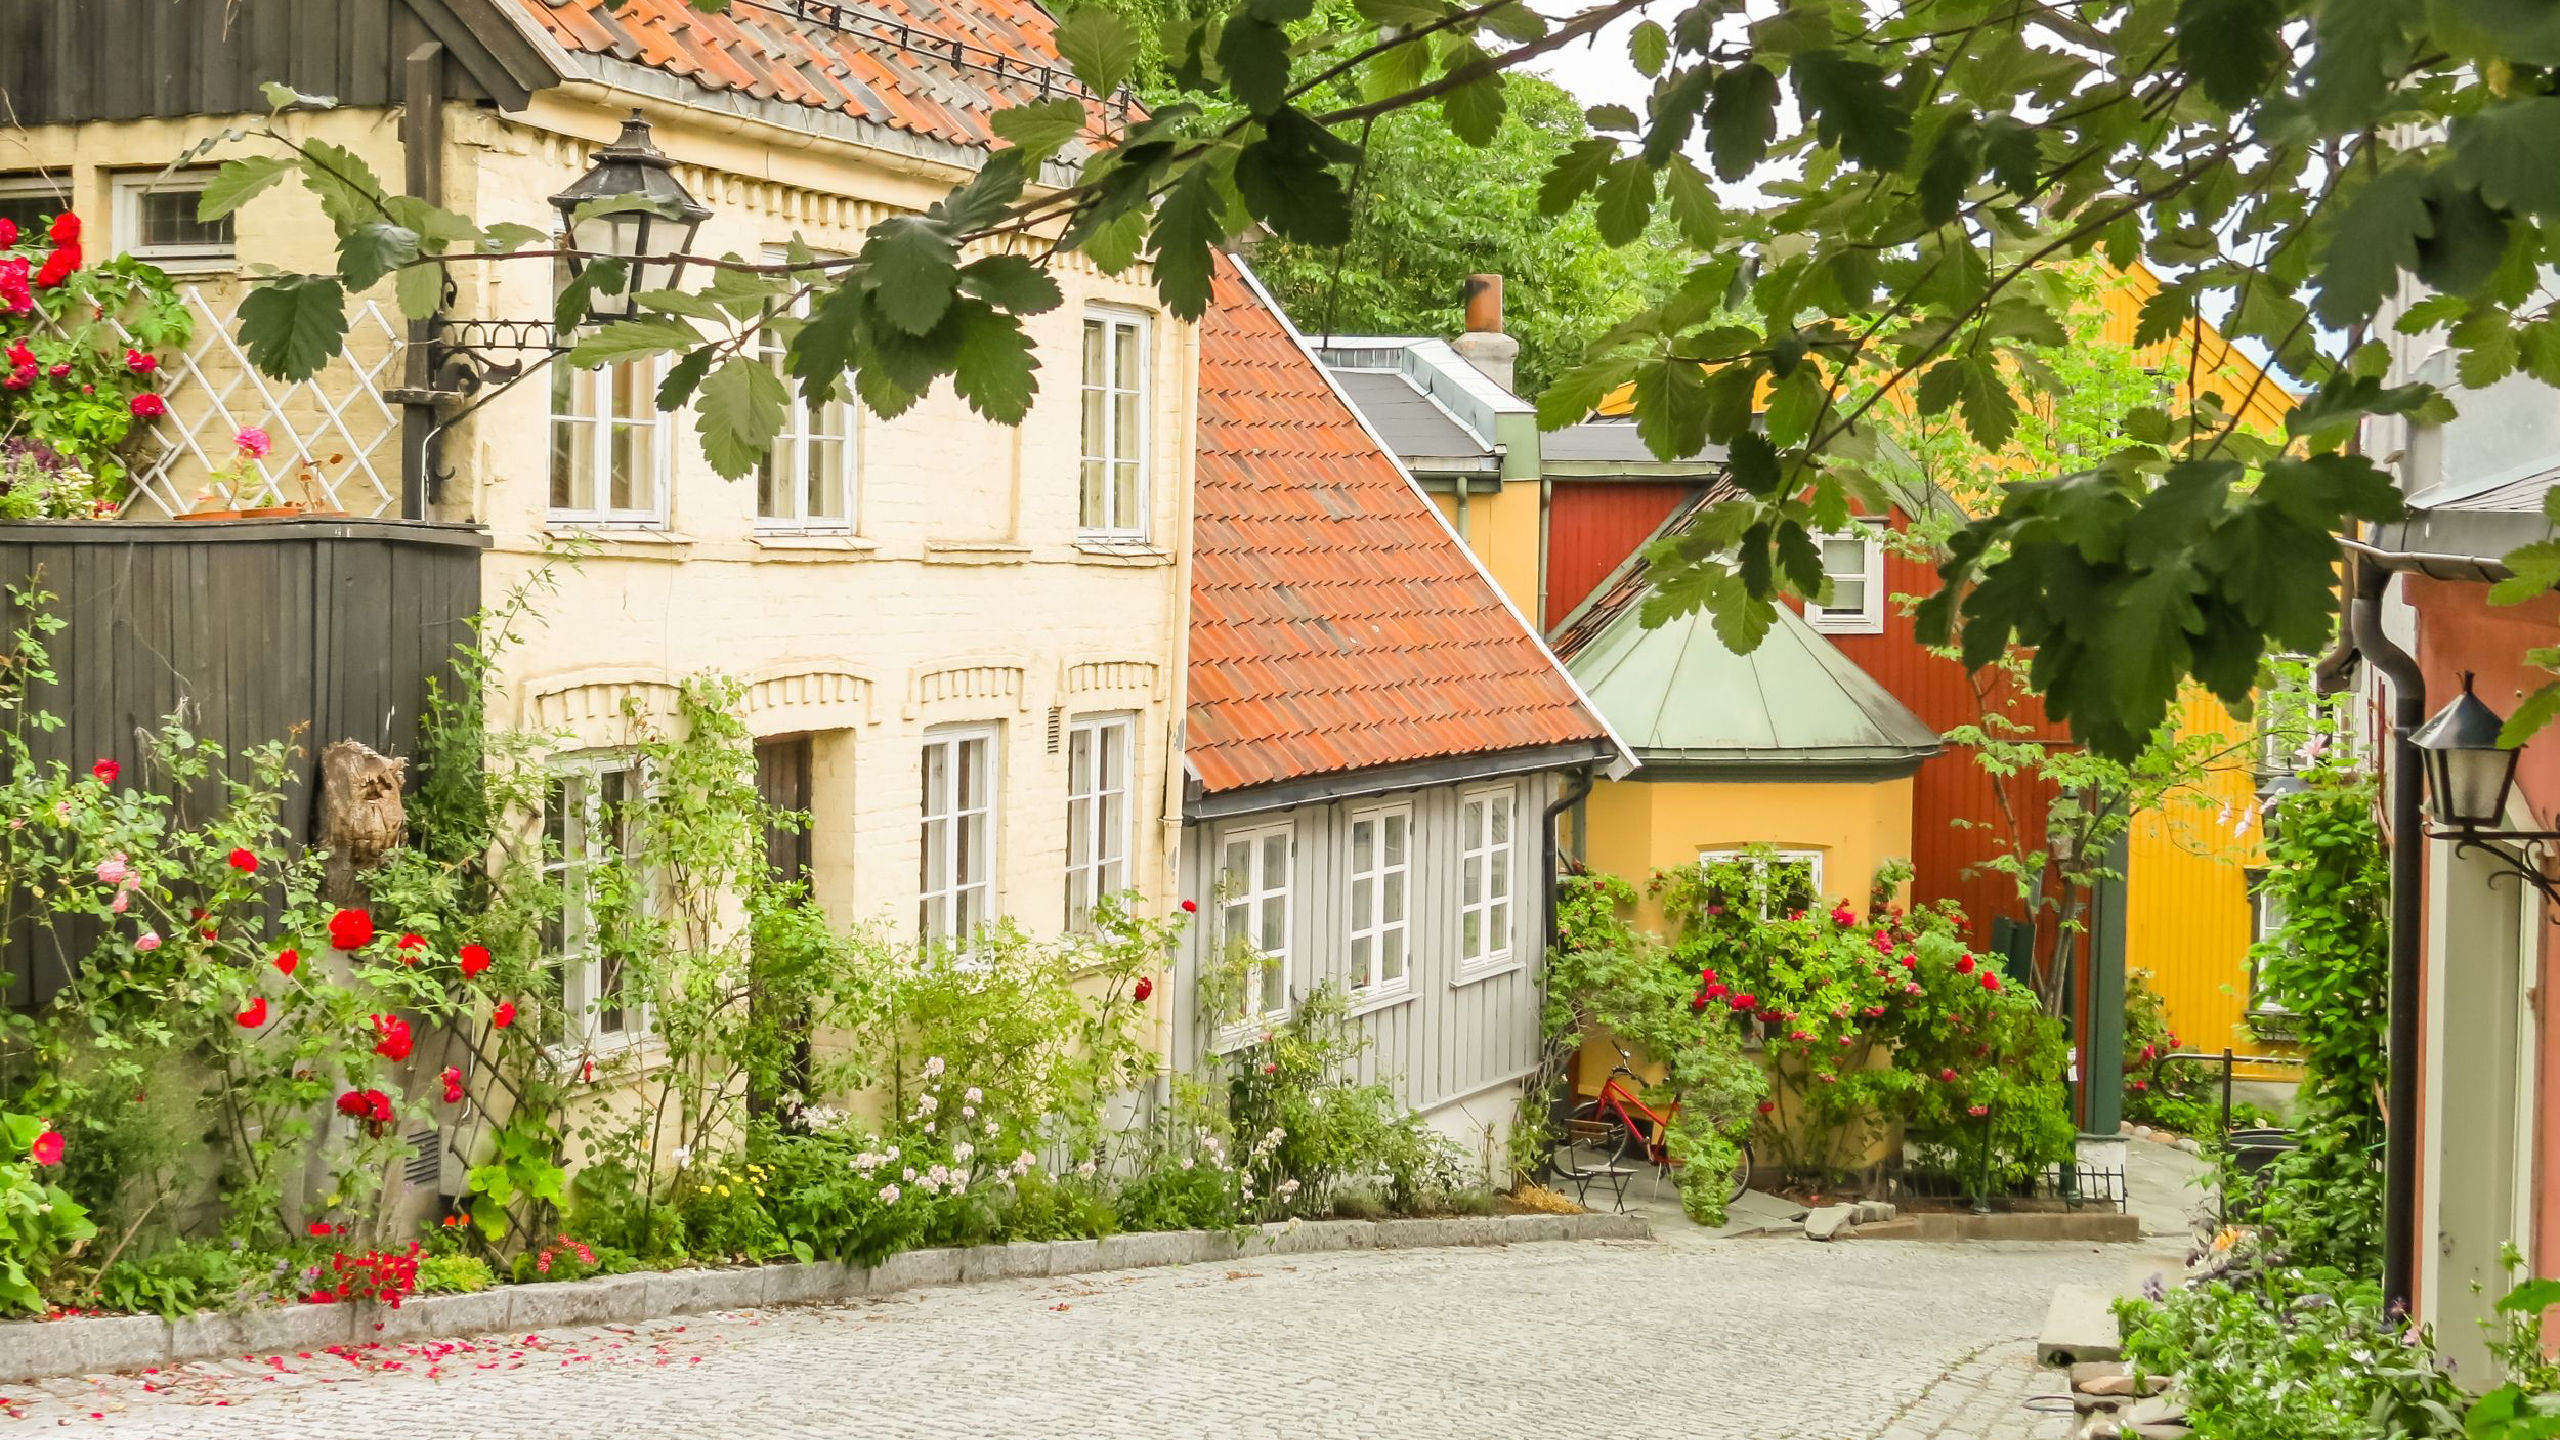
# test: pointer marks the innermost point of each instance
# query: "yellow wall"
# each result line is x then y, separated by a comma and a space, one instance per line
2188, 918
1502, 529
1636, 826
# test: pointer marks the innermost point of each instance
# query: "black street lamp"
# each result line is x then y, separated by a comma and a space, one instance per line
2469, 776
646, 220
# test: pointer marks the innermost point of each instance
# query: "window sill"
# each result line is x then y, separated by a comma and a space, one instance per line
653, 534
1483, 970
1381, 997
814, 544
949, 552
1846, 627
1129, 550
1230, 1038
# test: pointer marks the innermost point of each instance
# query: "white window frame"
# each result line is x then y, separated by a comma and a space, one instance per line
602, 424
939, 909
799, 428
20, 187
2266, 922
1868, 617
125, 222
1098, 844
580, 833
1762, 862
1370, 883
1253, 898
1480, 854
1095, 460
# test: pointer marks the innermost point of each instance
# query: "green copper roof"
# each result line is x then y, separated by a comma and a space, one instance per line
1686, 703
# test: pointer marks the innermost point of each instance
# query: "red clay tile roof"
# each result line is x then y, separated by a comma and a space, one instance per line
931, 67
1336, 623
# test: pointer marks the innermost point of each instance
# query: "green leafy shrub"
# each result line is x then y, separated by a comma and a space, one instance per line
176, 1281
454, 1275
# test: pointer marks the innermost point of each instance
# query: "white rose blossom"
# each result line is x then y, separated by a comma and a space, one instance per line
889, 1194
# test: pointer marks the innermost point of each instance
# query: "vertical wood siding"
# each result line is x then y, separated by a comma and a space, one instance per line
1447, 1039
304, 631
2187, 915
1594, 525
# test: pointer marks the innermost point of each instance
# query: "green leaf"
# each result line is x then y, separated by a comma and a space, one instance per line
2014, 152
1042, 128
993, 367
1990, 410
1610, 117
349, 193
369, 252
675, 391
632, 340
2358, 48
1187, 232
1671, 407
683, 302
2165, 312
2233, 48
1742, 118
293, 325
1858, 113
1649, 45
2375, 238
2537, 710
1516, 22
1694, 207
1473, 110
1099, 46
1255, 57
1751, 462
2468, 240
506, 235
1579, 391
2510, 152
1405, 14
911, 268
1115, 245
741, 410
1011, 282
238, 180
1626, 201
1577, 169
1288, 184
1955, 160
598, 277
419, 290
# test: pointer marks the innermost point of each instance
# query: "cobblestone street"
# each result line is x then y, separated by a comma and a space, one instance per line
1753, 1339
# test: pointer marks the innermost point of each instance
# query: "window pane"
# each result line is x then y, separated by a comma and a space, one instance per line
1080, 761
1395, 839
937, 779
1470, 933
1364, 903
1498, 876
826, 480
1364, 846
1360, 946
1275, 860
1237, 872
1274, 987
1124, 377
1497, 928
1112, 820
1471, 823
1471, 880
1274, 919
1391, 954
973, 775
1391, 897
1079, 833
631, 452
573, 462
1124, 495
168, 218
1500, 811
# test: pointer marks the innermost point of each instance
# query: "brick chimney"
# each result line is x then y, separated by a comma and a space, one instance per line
1483, 344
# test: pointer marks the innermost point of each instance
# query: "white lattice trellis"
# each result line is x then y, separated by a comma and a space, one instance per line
336, 439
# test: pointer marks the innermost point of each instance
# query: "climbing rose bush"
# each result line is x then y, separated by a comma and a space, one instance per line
79, 373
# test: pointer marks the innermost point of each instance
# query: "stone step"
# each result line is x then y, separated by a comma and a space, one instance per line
2079, 1325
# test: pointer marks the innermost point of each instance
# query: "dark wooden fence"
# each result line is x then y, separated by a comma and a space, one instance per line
307, 630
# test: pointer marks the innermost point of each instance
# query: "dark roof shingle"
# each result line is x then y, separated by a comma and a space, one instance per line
1336, 623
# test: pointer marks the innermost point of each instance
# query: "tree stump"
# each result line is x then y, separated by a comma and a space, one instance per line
361, 817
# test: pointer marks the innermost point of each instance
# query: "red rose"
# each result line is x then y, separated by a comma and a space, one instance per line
350, 930
1744, 1002
287, 959
1910, 962
351, 1103
141, 362
106, 771
320, 1229
377, 1107
409, 947
1145, 987
1768, 1107
504, 1015
1698, 1001
1964, 965
47, 1149
148, 404
1717, 991
1190, 907
65, 229
8, 233
1990, 981
255, 1015
396, 1039
452, 1078
1948, 1075
2141, 1085
244, 861
58, 266
57, 371
473, 958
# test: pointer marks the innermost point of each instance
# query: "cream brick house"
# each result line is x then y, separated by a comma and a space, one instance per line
962, 642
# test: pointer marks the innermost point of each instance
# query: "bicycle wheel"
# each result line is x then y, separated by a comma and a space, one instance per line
1741, 1171
1600, 1138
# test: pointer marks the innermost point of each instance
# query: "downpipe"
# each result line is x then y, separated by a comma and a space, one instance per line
2404, 806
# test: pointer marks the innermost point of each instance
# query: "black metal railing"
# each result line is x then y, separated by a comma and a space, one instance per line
2250, 1148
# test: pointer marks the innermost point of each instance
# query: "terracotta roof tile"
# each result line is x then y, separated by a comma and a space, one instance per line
1336, 624
915, 65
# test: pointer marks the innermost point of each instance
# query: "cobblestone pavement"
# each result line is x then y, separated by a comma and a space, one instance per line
1689, 1336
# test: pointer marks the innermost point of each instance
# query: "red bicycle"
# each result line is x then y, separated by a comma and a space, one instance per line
1616, 1124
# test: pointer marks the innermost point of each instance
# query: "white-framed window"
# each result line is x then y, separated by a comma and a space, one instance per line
956, 882
608, 445
1098, 767
1112, 488
2266, 927
1853, 561
1381, 874
1778, 882
1485, 827
31, 202
587, 814
807, 479
1253, 916
155, 220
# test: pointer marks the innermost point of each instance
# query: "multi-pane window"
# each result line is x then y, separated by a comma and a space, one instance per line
2266, 924
1853, 561
587, 813
155, 220
806, 480
606, 442
956, 885
31, 202
1484, 876
1381, 864
1768, 883
1253, 912
1097, 814
1113, 490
